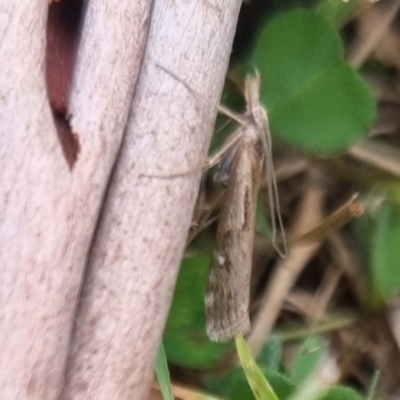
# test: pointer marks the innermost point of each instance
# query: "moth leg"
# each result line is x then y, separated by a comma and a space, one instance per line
233, 116
228, 145
233, 138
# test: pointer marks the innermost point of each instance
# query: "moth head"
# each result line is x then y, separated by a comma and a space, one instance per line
255, 109
252, 86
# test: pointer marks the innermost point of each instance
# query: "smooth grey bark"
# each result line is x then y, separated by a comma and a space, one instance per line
48, 212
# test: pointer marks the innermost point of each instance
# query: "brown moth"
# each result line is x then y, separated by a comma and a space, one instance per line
228, 290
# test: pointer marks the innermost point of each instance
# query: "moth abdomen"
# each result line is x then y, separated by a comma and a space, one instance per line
227, 299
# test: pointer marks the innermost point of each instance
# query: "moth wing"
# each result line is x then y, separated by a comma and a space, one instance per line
228, 291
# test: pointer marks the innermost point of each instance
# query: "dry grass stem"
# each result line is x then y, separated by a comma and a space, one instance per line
287, 270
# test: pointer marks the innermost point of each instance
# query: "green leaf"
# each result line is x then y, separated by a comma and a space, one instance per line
162, 373
269, 363
337, 11
185, 339
385, 256
260, 387
314, 99
294, 49
271, 354
308, 358
240, 389
342, 393
281, 385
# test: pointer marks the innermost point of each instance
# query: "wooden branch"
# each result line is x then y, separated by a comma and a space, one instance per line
48, 207
142, 232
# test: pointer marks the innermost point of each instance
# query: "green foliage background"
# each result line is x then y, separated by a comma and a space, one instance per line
318, 104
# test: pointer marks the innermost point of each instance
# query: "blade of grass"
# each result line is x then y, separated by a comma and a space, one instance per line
259, 385
374, 385
162, 373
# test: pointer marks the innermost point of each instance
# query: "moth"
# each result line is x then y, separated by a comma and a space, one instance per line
249, 154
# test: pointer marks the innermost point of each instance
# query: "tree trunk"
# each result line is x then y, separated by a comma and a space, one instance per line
56, 189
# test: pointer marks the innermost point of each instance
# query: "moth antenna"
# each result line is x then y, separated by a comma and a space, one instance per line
273, 195
252, 95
